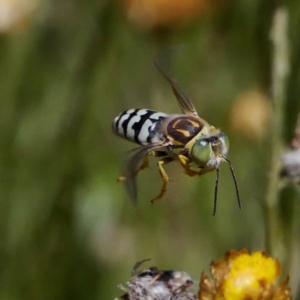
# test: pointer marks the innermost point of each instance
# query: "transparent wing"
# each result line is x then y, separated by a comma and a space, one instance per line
185, 103
132, 167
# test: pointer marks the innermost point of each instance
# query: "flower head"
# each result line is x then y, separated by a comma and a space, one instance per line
150, 14
244, 276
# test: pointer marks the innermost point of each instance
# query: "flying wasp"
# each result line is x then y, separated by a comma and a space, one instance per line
198, 146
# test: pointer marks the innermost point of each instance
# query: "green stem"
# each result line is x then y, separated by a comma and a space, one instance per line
280, 68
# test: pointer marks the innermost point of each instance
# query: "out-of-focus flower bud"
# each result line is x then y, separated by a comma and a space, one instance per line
15, 14
250, 115
150, 14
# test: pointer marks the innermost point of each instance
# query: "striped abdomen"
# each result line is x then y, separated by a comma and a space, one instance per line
139, 125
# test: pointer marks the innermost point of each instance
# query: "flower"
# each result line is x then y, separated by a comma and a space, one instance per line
150, 14
15, 14
250, 114
241, 275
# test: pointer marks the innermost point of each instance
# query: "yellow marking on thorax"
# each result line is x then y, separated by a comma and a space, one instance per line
175, 142
184, 132
195, 124
175, 124
205, 131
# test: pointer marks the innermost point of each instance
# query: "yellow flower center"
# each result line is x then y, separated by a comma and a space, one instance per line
248, 273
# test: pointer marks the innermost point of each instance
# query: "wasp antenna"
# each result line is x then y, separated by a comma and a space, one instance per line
235, 182
216, 192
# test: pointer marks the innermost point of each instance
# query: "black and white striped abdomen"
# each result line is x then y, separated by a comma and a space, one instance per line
139, 125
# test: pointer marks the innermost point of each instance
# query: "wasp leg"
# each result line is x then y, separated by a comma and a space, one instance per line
145, 163
164, 176
143, 166
184, 160
158, 153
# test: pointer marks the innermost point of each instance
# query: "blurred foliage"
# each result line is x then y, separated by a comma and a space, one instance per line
68, 68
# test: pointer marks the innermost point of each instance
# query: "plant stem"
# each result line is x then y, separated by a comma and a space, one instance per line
280, 69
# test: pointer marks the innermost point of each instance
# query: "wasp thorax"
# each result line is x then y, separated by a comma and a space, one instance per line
209, 148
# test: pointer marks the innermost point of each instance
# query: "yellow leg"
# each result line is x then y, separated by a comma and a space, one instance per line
185, 163
164, 176
145, 163
143, 166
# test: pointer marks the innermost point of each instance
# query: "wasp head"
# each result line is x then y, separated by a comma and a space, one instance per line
210, 150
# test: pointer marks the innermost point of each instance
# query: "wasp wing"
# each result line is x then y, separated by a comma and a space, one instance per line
132, 167
185, 103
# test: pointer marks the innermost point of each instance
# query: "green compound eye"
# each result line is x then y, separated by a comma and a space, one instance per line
201, 152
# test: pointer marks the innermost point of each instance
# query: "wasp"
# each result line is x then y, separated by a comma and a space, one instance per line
198, 146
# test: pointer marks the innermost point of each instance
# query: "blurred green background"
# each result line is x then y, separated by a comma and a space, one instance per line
67, 69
